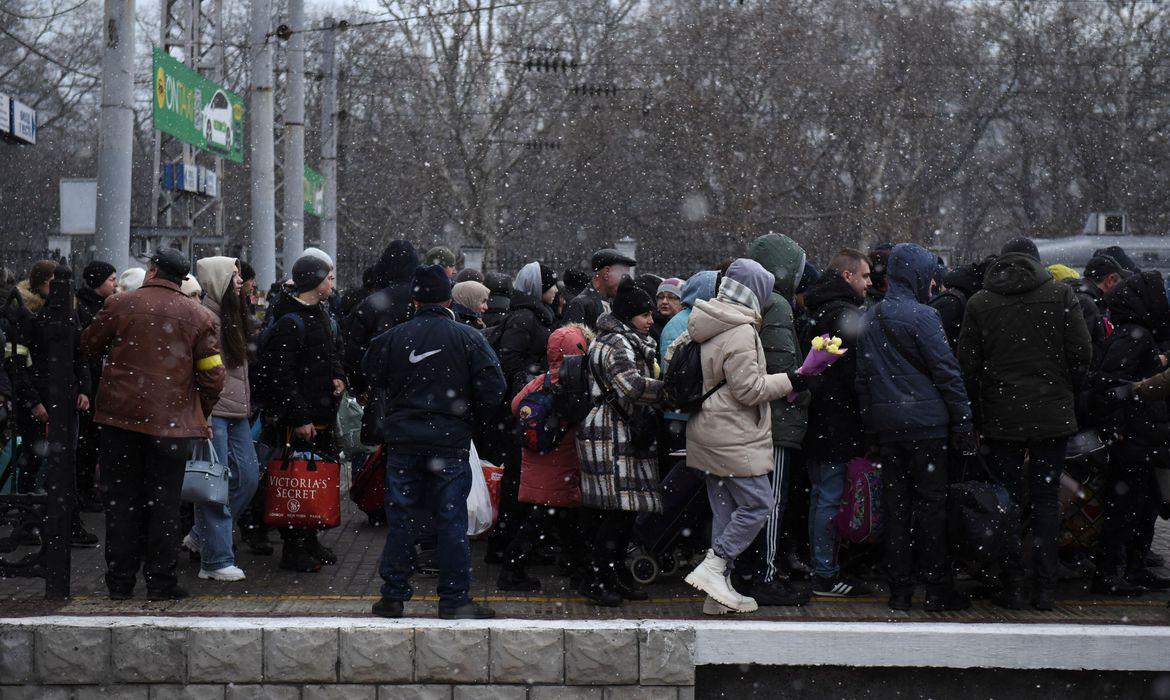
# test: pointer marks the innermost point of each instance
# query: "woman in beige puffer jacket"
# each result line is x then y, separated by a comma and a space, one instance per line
231, 430
731, 437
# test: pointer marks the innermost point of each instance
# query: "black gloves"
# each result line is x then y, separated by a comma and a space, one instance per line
805, 382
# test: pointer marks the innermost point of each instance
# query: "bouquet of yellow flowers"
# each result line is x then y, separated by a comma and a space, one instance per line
825, 351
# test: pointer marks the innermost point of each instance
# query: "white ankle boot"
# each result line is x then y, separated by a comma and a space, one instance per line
710, 577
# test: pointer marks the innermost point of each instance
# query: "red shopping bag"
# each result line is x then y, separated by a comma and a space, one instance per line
494, 476
302, 490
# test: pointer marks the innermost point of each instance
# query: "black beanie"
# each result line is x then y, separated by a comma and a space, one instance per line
308, 273
631, 301
96, 273
548, 278
431, 285
1021, 244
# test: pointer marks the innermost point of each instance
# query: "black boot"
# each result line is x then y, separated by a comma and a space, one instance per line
946, 601
257, 540
514, 578
1043, 599
622, 581
1010, 597
79, 536
900, 600
319, 551
294, 557
590, 586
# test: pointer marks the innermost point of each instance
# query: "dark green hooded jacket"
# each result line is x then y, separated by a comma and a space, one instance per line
784, 258
1025, 352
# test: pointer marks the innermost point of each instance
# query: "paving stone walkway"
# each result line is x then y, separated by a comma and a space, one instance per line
350, 587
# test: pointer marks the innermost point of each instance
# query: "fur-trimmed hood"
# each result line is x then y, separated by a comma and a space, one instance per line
31, 300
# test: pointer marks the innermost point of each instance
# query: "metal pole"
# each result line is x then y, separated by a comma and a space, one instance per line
263, 234
60, 441
294, 138
115, 136
329, 142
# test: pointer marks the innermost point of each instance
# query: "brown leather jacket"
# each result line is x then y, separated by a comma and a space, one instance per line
163, 372
1154, 388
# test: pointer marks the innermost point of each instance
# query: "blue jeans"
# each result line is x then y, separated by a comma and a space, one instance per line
828, 491
421, 488
214, 523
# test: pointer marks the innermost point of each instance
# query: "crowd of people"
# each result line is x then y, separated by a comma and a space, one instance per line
603, 395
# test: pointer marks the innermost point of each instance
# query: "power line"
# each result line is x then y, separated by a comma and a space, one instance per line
411, 18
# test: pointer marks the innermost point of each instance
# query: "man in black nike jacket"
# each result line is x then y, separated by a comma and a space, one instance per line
440, 382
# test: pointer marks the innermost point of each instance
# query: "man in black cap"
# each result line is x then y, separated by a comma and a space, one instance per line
1102, 275
440, 383
303, 387
163, 375
100, 280
609, 267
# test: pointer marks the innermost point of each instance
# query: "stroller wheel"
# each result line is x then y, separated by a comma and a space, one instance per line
669, 564
644, 568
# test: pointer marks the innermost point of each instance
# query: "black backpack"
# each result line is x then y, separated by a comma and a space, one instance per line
571, 398
264, 376
682, 385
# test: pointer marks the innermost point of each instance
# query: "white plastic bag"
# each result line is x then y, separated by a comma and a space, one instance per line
479, 501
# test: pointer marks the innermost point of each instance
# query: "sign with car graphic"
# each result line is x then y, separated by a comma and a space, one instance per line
195, 110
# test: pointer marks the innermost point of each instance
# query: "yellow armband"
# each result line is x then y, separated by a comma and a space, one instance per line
208, 363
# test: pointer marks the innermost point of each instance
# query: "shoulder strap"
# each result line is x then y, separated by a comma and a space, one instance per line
897, 344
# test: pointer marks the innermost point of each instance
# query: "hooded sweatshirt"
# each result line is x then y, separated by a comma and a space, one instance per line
215, 276
554, 479
382, 310
732, 435
785, 259
908, 384
1025, 351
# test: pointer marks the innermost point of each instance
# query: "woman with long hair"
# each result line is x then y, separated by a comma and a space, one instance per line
231, 431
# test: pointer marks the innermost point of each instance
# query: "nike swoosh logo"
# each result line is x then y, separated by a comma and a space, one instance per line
415, 359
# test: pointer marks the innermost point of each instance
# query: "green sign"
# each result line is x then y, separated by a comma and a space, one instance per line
195, 110
314, 192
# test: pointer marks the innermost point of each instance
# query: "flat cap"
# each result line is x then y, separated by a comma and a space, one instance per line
608, 256
171, 262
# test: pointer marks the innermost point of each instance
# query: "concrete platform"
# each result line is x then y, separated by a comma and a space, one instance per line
349, 588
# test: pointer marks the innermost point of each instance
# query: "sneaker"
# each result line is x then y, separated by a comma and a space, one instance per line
798, 568
191, 546
387, 608
470, 611
949, 601
1115, 586
778, 592
714, 607
227, 573
839, 587
172, 593
710, 577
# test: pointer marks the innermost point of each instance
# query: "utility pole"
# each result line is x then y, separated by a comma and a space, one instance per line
329, 141
115, 136
263, 231
294, 138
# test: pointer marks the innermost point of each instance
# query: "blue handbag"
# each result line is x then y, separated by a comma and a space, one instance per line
206, 478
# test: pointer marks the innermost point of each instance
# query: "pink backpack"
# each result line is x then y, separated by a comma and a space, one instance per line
860, 519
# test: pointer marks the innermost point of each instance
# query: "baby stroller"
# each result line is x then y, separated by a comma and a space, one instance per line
666, 542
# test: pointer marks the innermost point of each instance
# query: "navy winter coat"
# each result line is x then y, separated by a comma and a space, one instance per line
898, 401
439, 382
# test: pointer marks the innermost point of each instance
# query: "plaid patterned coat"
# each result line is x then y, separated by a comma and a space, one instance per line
612, 476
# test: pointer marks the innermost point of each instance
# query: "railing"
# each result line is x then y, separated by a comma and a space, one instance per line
49, 511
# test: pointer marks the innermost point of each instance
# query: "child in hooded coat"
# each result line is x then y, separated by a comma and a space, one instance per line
550, 482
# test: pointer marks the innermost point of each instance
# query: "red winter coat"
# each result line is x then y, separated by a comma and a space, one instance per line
553, 479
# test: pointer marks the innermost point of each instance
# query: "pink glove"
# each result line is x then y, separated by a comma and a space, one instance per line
817, 360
